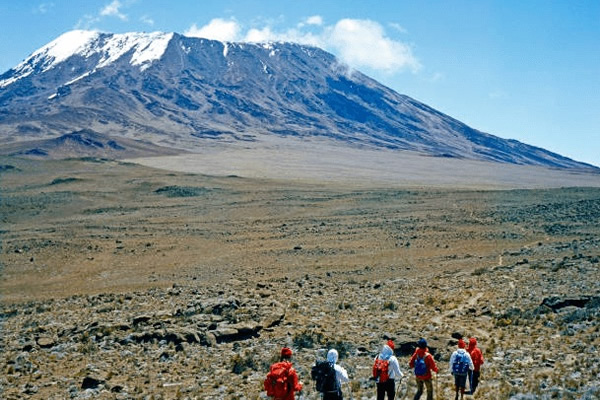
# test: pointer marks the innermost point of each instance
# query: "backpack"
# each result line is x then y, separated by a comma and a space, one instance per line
460, 366
276, 383
380, 370
323, 373
420, 366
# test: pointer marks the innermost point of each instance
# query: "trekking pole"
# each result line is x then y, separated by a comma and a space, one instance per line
349, 390
437, 386
398, 389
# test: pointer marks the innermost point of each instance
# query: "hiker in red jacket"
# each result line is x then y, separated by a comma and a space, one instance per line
477, 358
423, 363
282, 380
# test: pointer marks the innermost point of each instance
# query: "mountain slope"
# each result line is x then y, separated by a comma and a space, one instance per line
181, 92
85, 143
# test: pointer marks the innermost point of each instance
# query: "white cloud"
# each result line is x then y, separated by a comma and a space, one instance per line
261, 35
363, 43
436, 77
266, 34
43, 8
498, 94
397, 27
147, 20
216, 29
86, 22
314, 20
112, 10
358, 43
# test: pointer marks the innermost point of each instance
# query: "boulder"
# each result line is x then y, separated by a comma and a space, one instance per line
90, 382
558, 302
233, 333
406, 345
141, 319
45, 342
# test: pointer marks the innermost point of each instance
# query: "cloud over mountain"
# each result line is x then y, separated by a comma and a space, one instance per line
359, 43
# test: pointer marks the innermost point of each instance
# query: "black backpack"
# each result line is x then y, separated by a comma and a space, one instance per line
323, 373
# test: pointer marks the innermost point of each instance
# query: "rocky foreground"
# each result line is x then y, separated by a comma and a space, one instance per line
191, 295
537, 321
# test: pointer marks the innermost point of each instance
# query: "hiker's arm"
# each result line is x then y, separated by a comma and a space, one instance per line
295, 384
432, 364
396, 367
341, 373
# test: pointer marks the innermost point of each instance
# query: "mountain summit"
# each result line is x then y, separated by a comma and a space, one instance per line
180, 92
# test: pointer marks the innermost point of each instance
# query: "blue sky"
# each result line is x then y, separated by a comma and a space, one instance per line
526, 70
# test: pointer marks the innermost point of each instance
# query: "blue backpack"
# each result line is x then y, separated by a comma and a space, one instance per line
420, 365
461, 364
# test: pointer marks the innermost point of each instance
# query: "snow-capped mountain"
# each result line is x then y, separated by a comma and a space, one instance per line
179, 92
145, 48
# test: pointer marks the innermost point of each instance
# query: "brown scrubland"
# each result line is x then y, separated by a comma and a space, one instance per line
120, 281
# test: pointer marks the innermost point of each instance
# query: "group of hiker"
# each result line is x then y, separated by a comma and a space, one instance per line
282, 381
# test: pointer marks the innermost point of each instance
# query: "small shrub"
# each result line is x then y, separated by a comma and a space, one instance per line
430, 301
343, 348
307, 339
502, 322
182, 191
240, 363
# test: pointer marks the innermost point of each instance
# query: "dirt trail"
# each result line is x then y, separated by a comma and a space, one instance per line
439, 319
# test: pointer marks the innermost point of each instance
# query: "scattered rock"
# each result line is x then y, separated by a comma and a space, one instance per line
558, 302
45, 342
90, 382
141, 319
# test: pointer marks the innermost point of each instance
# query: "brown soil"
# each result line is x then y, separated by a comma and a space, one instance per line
223, 271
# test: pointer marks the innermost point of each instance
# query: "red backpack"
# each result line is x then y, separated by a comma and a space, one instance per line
380, 370
276, 383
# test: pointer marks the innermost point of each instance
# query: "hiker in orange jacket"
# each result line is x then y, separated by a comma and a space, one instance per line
423, 363
477, 358
283, 371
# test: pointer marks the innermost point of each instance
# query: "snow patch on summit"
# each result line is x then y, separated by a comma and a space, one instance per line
53, 53
65, 46
146, 47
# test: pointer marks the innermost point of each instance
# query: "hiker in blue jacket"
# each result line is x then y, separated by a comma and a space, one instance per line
460, 365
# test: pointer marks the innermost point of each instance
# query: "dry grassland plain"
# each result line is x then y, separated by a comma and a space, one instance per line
123, 281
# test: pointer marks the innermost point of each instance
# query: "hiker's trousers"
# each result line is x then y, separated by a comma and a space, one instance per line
333, 396
388, 387
427, 383
473, 380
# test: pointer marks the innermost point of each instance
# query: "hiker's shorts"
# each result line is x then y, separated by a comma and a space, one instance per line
460, 381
